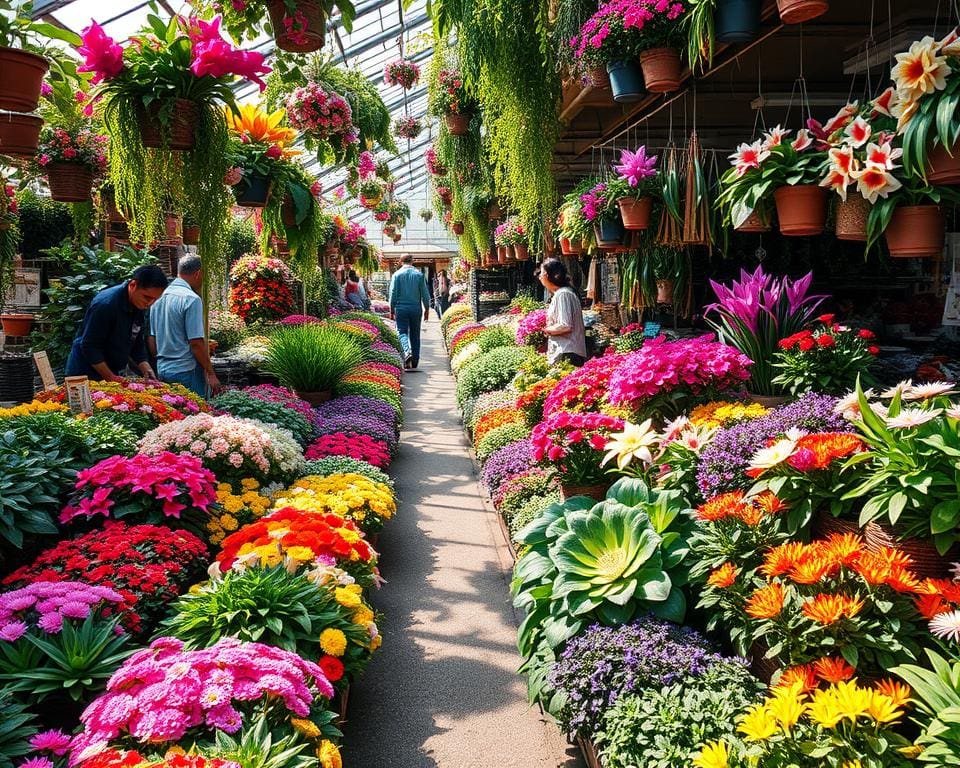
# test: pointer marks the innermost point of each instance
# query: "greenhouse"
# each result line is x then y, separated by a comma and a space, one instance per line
479, 384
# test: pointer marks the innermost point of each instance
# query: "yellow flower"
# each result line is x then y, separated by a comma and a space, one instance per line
363, 616
300, 554
307, 727
232, 504
713, 755
259, 125
823, 709
852, 700
28, 409
757, 724
224, 488
249, 483
787, 706
329, 755
333, 642
349, 536
853, 764
376, 642
229, 522
882, 708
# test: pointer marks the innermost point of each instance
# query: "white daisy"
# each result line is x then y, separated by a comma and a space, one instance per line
897, 390
955, 570
946, 626
912, 417
926, 391
795, 433
776, 454
954, 412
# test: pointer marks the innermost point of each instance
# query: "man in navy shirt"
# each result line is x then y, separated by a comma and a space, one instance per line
112, 333
408, 290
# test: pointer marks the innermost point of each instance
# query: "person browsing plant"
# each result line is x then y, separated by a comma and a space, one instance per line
566, 335
408, 290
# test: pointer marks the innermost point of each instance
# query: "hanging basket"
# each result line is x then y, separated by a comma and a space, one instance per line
253, 192
21, 74
944, 166
305, 40
661, 69
570, 248
370, 202
597, 77
801, 209
521, 251
458, 228
852, 215
191, 234
626, 81
458, 125
635, 213
916, 231
609, 234
19, 134
179, 133
736, 21
799, 11
757, 221
69, 182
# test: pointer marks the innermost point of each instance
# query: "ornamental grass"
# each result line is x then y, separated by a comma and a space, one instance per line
312, 358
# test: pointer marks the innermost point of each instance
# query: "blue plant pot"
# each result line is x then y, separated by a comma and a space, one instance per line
253, 191
626, 81
610, 232
736, 21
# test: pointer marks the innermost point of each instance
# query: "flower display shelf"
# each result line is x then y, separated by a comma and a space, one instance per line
589, 752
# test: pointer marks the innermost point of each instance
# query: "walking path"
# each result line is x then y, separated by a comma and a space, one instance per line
443, 691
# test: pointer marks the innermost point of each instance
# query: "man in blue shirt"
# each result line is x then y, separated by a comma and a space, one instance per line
408, 290
177, 334
112, 332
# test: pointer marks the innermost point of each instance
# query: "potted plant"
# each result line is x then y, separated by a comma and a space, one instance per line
434, 167
623, 30
191, 229
574, 231
755, 313
601, 210
799, 11
426, 214
513, 235
664, 274
910, 216
402, 72
789, 171
719, 21
165, 91
298, 26
449, 100
325, 119
636, 186
371, 193
408, 127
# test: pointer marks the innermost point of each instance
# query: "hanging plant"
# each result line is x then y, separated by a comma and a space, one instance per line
9, 237
426, 214
370, 193
71, 160
402, 72
434, 166
166, 90
408, 127
325, 118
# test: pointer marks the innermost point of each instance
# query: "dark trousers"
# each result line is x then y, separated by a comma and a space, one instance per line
573, 358
408, 326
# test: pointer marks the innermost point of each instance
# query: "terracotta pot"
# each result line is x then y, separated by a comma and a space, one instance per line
179, 134
661, 69
288, 212
511, 253
567, 247
595, 492
191, 234
944, 166
755, 222
664, 291
798, 11
172, 225
801, 209
522, 251
301, 40
16, 324
916, 231
70, 182
768, 401
635, 213
458, 228
21, 73
852, 215
19, 134
458, 125
370, 202
315, 398
597, 77
501, 254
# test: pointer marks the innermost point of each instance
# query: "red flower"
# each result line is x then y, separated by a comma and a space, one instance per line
873, 350
826, 340
826, 319
863, 333
806, 344
332, 667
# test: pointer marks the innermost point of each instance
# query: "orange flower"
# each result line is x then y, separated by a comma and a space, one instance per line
819, 451
802, 674
812, 568
874, 569
723, 576
721, 507
781, 559
844, 549
895, 558
769, 503
931, 605
833, 670
903, 581
750, 514
899, 692
766, 603
827, 609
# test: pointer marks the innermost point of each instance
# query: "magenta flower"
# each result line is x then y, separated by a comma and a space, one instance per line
635, 166
214, 56
53, 741
101, 53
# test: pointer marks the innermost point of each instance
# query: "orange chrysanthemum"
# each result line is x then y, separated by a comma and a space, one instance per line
766, 602
828, 609
844, 549
812, 568
750, 514
873, 569
930, 605
899, 692
903, 581
723, 576
833, 670
781, 559
819, 451
801, 674
721, 507
769, 503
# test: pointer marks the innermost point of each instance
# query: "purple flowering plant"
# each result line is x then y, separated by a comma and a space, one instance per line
755, 312
515, 491
507, 462
371, 408
359, 423
601, 664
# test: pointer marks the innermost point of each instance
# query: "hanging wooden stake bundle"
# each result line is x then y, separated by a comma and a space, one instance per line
670, 232
696, 210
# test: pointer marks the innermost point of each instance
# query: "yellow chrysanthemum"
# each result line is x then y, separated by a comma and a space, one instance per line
34, 407
250, 483
363, 616
883, 709
376, 642
346, 598
229, 522
306, 727
329, 755
300, 554
758, 724
713, 755
852, 700
787, 706
823, 709
333, 642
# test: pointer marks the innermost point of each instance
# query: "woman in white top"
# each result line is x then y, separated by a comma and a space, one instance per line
566, 337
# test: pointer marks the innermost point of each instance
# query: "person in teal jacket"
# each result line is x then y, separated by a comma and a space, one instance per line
408, 291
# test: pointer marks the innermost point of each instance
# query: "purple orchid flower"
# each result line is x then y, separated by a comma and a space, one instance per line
635, 166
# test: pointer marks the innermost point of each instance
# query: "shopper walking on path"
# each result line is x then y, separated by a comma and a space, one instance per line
112, 333
441, 293
408, 291
566, 336
177, 338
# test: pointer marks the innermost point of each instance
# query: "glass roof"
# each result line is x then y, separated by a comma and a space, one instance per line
379, 30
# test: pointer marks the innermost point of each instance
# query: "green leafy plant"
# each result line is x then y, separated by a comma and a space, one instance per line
491, 371
257, 746
701, 35
43, 223
829, 358
237, 403
19, 30
17, 727
497, 336
936, 692
26, 477
312, 358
